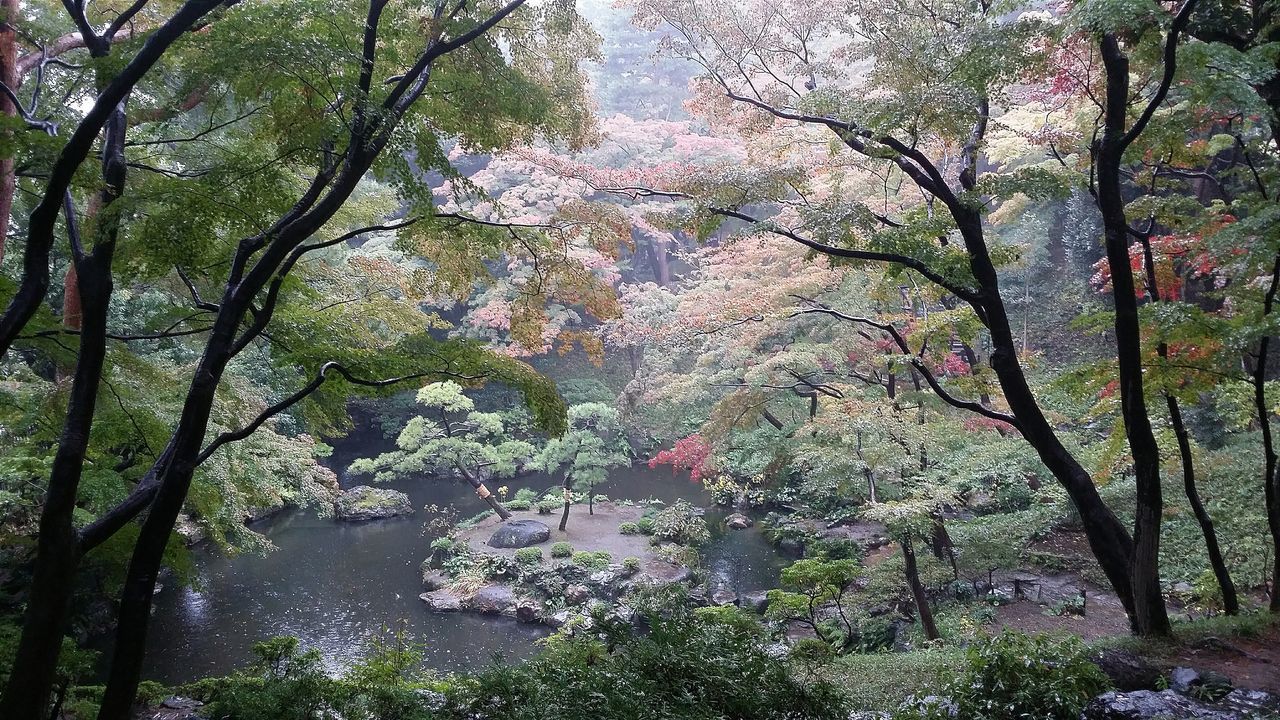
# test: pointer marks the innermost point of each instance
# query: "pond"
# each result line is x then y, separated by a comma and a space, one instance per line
334, 585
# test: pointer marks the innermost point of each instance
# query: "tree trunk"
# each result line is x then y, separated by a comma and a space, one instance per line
1270, 478
483, 493
564, 517
1150, 617
917, 591
12, 11
58, 550
1230, 603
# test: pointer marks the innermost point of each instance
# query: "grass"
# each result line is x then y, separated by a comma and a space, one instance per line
1246, 625
880, 681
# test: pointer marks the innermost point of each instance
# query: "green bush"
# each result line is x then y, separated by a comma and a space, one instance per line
529, 556
1013, 676
631, 565
561, 549
645, 525
680, 523
525, 495
597, 560
518, 505
629, 528
548, 505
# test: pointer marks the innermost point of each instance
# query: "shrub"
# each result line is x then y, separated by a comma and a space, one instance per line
629, 528
444, 545
1014, 676
631, 565
529, 556
519, 504
597, 560
548, 505
525, 495
689, 666
681, 524
561, 549
645, 525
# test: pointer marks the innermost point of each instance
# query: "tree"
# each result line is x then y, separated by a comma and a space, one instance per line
231, 229
919, 114
592, 445
452, 437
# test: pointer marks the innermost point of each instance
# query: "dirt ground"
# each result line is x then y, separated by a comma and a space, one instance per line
1102, 620
584, 532
1250, 662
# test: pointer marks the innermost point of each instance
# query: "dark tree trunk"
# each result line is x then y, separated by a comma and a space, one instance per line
1230, 603
1150, 616
564, 516
12, 11
917, 591
1270, 478
58, 549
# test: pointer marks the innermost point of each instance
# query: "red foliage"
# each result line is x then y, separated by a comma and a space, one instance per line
954, 365
689, 453
980, 422
1109, 390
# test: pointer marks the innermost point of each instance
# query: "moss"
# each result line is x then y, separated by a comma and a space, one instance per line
876, 681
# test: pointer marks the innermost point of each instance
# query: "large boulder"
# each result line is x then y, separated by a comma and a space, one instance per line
738, 521
363, 502
1127, 671
1169, 705
519, 533
492, 600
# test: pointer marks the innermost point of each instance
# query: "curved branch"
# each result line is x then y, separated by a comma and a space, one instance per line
295, 398
919, 365
929, 273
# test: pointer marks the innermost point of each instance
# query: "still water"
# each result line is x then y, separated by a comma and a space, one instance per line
334, 584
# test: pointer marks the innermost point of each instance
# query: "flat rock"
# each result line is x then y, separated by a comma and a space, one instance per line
441, 600
723, 596
519, 533
1169, 705
363, 502
738, 521
492, 600
434, 579
755, 601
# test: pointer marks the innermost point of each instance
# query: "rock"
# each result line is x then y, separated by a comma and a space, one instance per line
1202, 686
492, 600
576, 594
519, 533
441, 601
1169, 705
369, 503
755, 601
434, 579
1128, 671
1182, 679
527, 612
791, 546
177, 702
738, 521
723, 596
604, 578
560, 619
